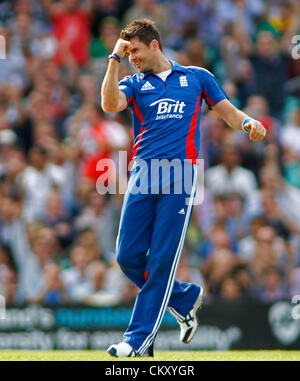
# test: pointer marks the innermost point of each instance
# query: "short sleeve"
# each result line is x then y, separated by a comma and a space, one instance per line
212, 90
126, 86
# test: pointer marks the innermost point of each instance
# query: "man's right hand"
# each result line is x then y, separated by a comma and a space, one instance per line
122, 47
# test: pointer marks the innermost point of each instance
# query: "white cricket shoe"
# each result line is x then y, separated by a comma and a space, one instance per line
189, 325
121, 350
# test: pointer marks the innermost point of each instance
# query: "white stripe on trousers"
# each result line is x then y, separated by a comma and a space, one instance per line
148, 341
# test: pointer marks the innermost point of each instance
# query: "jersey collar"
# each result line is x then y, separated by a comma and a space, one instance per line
175, 67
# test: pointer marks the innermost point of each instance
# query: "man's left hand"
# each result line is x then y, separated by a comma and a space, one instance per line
257, 130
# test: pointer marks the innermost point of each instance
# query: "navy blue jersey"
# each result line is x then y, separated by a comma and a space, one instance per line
166, 114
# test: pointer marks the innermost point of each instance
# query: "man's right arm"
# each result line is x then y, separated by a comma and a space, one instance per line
112, 99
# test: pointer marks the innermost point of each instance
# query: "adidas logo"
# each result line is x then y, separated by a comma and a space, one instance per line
147, 86
181, 211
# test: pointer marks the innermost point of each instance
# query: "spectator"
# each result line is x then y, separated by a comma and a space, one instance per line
42, 252
36, 182
75, 281
86, 91
12, 112
13, 69
44, 134
217, 239
153, 10
12, 163
287, 197
272, 287
108, 8
84, 188
58, 218
245, 80
71, 28
230, 289
28, 7
87, 238
195, 52
62, 166
246, 245
269, 251
10, 288
229, 212
237, 221
9, 212
43, 46
255, 155
98, 272
24, 30
103, 44
98, 139
53, 292
270, 72
98, 215
49, 88
243, 11
229, 176
195, 15
273, 215
242, 275
220, 265
235, 46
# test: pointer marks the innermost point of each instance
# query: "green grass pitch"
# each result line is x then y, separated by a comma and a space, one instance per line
92, 355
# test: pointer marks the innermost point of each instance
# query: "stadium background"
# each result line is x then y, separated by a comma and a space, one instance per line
61, 284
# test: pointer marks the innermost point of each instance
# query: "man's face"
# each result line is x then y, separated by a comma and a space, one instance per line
266, 44
141, 56
230, 157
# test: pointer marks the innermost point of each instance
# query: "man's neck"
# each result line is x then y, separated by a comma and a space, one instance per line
161, 64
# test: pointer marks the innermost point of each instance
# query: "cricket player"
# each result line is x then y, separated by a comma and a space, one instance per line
165, 99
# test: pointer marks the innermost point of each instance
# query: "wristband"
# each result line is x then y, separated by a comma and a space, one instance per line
115, 57
246, 121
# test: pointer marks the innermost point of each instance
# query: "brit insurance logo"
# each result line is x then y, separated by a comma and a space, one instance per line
169, 109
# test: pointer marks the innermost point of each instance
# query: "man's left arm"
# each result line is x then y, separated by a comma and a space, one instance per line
238, 120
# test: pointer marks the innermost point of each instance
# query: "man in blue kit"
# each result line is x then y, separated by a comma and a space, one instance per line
165, 99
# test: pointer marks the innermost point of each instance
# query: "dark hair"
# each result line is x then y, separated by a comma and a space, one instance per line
144, 29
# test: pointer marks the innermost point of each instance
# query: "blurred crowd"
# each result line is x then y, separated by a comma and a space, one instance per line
58, 232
